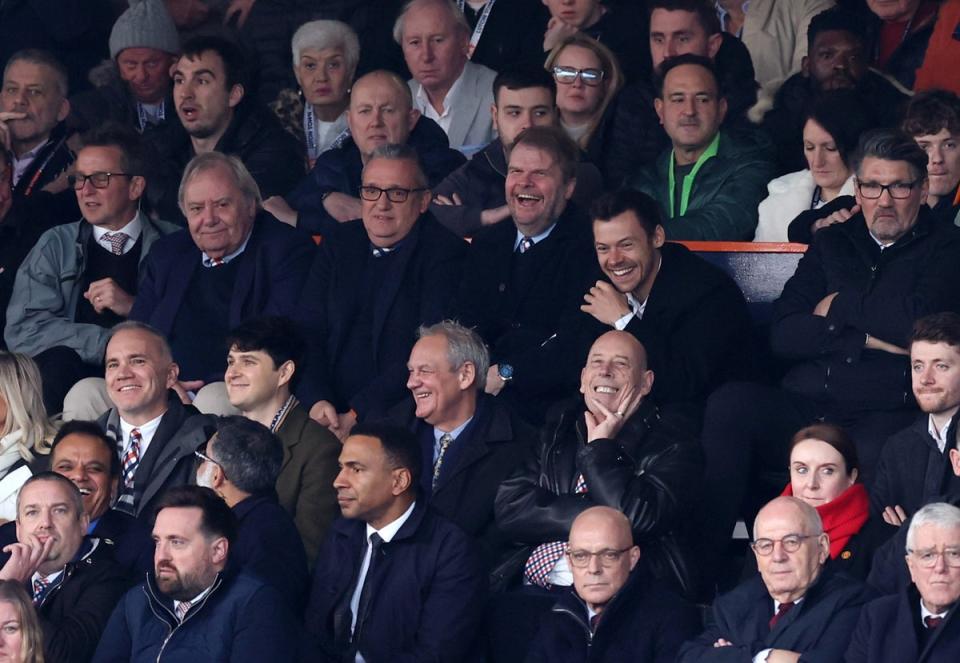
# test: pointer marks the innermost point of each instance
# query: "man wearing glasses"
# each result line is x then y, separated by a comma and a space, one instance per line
919, 623
794, 609
81, 278
373, 283
615, 612
844, 318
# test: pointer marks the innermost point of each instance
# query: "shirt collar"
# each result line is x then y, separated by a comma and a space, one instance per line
387, 532
207, 261
21, 164
133, 229
536, 238
455, 433
924, 613
423, 100
939, 436
146, 430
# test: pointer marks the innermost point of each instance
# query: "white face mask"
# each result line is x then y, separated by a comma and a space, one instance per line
205, 476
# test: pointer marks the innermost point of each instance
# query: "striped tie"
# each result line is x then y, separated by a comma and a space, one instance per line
182, 609
131, 460
117, 242
545, 556
445, 441
40, 584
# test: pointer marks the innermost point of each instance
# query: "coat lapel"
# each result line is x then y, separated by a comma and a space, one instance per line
397, 268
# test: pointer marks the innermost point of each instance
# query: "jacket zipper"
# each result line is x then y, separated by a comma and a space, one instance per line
178, 623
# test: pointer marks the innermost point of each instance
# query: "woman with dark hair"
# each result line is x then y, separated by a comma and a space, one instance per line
831, 129
21, 640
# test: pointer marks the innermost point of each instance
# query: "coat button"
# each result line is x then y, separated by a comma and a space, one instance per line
832, 328
849, 360
502, 287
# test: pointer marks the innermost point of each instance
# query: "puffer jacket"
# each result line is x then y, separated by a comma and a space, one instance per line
649, 472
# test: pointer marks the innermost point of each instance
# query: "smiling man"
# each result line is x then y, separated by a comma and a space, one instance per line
372, 284
73, 579
794, 608
63, 323
615, 613
523, 280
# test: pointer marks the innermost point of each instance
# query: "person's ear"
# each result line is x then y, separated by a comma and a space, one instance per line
287, 369
236, 95
634, 556
714, 42
658, 106
467, 375
805, 66
955, 461
219, 550
659, 237
402, 479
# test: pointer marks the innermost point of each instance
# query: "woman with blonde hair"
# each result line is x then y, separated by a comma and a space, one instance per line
21, 640
24, 426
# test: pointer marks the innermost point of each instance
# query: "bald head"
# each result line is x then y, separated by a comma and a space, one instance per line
613, 523
601, 554
381, 112
804, 515
615, 368
791, 547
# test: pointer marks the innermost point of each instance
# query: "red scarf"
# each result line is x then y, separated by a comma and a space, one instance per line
842, 517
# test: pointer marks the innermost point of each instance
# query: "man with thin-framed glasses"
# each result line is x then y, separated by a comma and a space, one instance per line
616, 611
795, 609
374, 281
919, 622
81, 278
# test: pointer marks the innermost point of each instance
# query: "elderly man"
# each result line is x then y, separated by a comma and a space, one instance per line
914, 465
394, 580
241, 464
33, 106
690, 316
264, 359
73, 580
793, 610
919, 623
372, 284
234, 262
710, 182
446, 86
473, 197
210, 86
523, 280
226, 616
844, 319
63, 323
614, 613
380, 113
470, 441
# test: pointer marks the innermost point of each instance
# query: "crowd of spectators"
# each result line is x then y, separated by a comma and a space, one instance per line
341, 330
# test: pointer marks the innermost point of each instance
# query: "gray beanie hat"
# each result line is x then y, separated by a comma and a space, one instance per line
146, 24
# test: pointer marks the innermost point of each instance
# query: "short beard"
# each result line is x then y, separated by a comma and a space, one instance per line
181, 588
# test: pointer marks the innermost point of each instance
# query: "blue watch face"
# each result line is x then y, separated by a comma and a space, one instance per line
505, 371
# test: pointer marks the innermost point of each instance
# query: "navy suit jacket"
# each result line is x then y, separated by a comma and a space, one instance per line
819, 627
428, 592
417, 290
269, 277
889, 632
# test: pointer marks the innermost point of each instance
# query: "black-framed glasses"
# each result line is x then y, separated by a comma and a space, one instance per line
791, 543
567, 75
927, 558
98, 180
394, 195
608, 557
897, 190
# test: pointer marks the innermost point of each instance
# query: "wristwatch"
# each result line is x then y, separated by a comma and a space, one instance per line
505, 371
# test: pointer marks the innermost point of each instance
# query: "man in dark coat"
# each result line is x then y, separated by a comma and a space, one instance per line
73, 580
380, 113
793, 607
190, 607
616, 612
690, 316
523, 280
394, 580
234, 262
241, 463
470, 442
919, 622
372, 284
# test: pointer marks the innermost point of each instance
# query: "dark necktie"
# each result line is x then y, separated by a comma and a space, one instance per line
593, 623
366, 594
781, 611
117, 241
525, 245
932, 622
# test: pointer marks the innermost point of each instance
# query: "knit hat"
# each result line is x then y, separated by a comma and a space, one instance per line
146, 24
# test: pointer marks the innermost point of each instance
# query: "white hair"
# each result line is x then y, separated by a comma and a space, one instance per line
459, 19
319, 35
938, 514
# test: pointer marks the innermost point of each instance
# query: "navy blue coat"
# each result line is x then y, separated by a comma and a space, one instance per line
269, 547
889, 631
269, 277
340, 168
643, 622
240, 620
418, 289
819, 627
428, 592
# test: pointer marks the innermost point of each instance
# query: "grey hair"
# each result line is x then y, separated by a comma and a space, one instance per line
211, 160
938, 514
21, 390
136, 325
812, 522
458, 18
327, 34
395, 152
463, 345
890, 145
248, 452
38, 56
